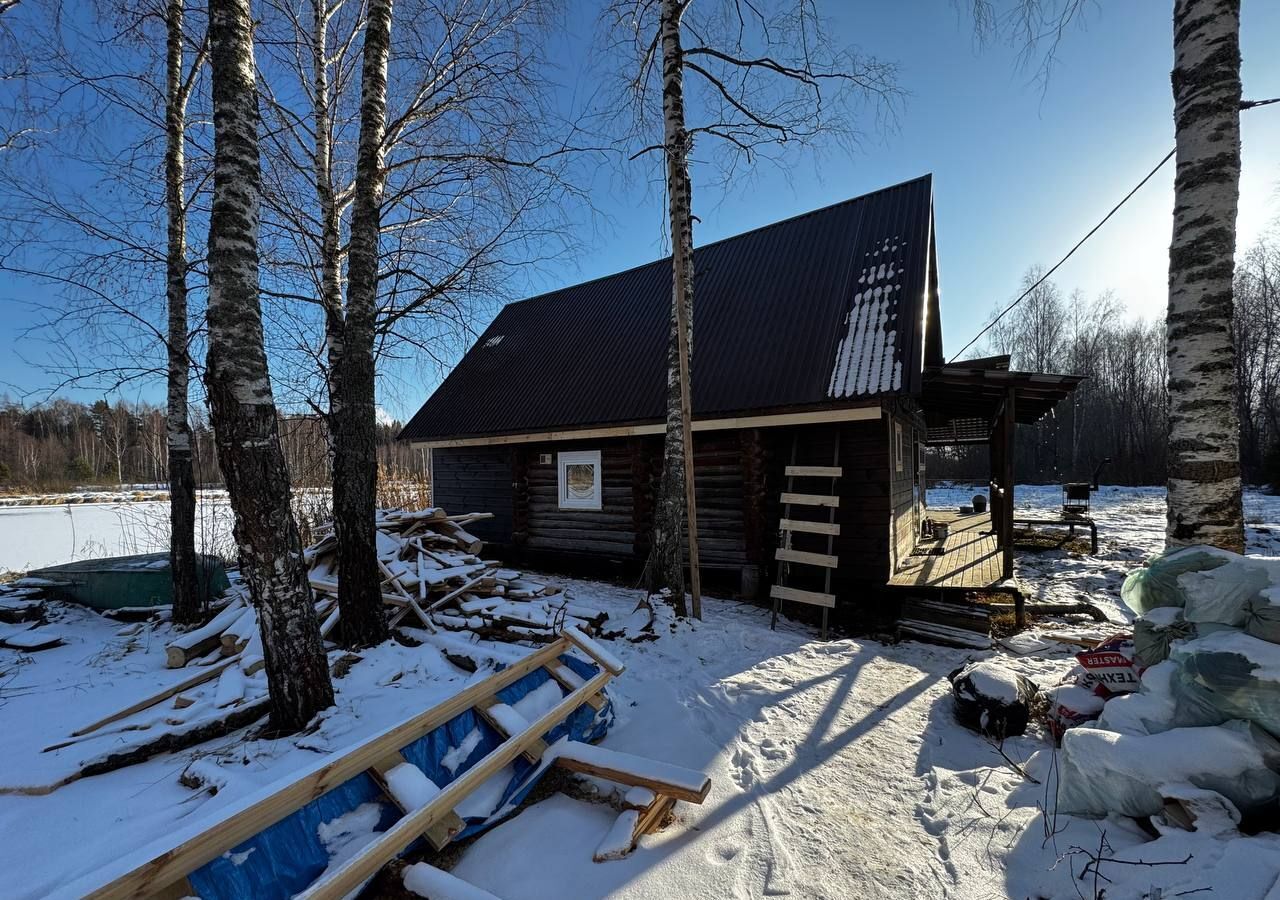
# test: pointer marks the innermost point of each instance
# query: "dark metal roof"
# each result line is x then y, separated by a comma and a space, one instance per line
777, 312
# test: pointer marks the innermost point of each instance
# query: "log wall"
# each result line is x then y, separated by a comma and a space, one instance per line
476, 479
609, 531
905, 500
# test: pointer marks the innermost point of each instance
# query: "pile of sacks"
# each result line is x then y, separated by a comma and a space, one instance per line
1192, 702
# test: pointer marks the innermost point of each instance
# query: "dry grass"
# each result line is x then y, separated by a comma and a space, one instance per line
1039, 540
397, 489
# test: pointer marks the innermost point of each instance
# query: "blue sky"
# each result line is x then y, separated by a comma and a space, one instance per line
1021, 171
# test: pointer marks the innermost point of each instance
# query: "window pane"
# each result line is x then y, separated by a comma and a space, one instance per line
579, 481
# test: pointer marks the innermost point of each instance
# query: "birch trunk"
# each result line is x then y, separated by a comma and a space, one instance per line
187, 609
1204, 433
242, 407
354, 422
666, 568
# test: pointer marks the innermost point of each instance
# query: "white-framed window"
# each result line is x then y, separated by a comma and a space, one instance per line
578, 479
897, 443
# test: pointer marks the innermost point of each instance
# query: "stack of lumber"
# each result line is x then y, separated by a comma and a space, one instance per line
649, 788
432, 570
20, 604
233, 631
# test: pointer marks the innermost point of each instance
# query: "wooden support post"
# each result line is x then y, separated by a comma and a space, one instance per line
995, 447
1006, 479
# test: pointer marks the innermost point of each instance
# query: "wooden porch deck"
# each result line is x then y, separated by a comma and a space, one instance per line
970, 557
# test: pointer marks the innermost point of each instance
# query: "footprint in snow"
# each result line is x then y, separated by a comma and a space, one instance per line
770, 750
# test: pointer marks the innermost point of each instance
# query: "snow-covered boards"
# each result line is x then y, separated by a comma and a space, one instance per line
417, 805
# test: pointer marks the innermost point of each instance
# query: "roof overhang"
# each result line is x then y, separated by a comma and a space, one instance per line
861, 413
962, 401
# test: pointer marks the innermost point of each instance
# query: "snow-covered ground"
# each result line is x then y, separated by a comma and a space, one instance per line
838, 768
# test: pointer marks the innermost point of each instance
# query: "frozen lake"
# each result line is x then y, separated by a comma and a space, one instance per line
36, 536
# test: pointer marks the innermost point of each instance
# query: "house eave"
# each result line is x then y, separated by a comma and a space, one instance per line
866, 411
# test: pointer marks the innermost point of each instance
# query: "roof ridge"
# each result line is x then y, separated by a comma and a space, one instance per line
731, 237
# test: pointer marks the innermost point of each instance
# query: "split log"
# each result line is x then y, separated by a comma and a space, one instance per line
199, 642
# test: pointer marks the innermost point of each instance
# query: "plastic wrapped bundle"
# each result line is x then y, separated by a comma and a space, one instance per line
1154, 632
992, 699
1227, 675
1103, 772
1156, 585
1262, 616
1147, 711
1221, 594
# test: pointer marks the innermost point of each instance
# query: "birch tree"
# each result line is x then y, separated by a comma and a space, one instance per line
766, 80
107, 248
1205, 502
179, 82
456, 174
241, 403
351, 399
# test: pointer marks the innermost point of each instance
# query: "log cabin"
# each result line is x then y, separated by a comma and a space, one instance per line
818, 379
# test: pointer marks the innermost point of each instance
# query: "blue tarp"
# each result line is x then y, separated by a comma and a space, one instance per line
288, 856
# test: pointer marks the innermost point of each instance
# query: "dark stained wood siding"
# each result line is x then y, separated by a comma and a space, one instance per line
903, 497
864, 514
718, 483
739, 480
475, 479
608, 531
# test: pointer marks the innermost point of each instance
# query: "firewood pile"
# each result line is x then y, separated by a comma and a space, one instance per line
435, 578
432, 577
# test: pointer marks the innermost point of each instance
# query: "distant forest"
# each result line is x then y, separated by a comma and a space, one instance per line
64, 444
1119, 411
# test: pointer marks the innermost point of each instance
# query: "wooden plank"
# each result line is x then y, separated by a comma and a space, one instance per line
602, 657
176, 862
781, 592
597, 702
652, 817
847, 414
635, 771
168, 692
365, 863
532, 753
442, 832
810, 499
809, 559
832, 528
814, 471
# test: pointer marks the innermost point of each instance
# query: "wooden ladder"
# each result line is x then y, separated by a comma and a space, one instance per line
787, 556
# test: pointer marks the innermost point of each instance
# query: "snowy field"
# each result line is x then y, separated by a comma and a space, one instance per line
838, 768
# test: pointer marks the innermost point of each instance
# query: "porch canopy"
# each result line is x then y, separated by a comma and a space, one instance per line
964, 400
979, 401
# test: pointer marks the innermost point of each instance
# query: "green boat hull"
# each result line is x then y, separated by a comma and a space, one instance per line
127, 582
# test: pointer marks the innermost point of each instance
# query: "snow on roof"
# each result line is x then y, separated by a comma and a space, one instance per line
866, 359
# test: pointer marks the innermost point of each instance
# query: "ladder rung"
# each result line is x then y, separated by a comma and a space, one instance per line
811, 499
831, 528
815, 471
781, 592
786, 554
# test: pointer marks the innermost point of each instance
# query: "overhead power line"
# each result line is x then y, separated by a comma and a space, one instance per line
1043, 278
1244, 104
